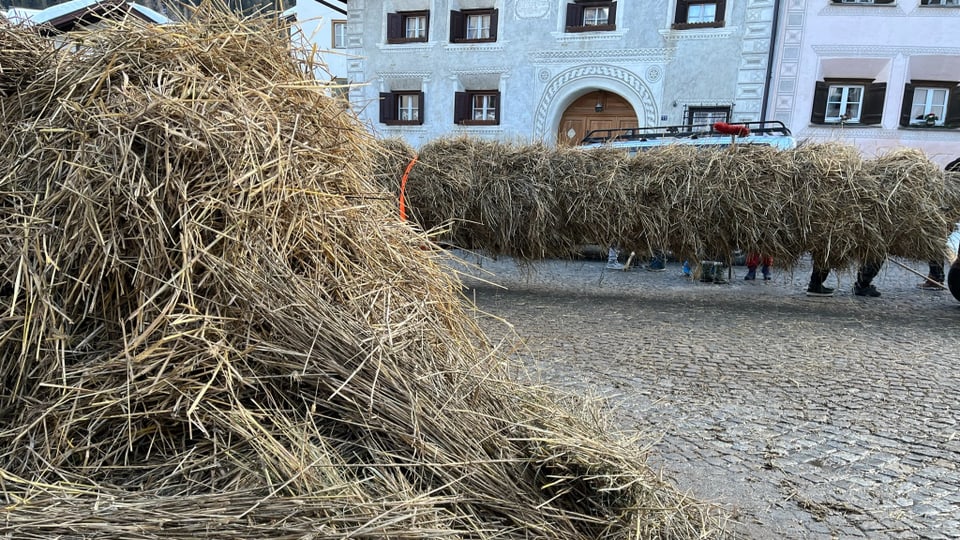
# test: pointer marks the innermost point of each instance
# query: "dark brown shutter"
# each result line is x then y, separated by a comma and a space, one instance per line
458, 26
818, 114
420, 106
394, 27
574, 16
494, 17
721, 10
680, 17
873, 97
496, 105
952, 117
461, 107
426, 26
907, 105
388, 107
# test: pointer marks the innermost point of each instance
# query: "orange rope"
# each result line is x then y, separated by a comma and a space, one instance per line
403, 189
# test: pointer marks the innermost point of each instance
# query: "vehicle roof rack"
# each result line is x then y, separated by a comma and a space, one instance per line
685, 131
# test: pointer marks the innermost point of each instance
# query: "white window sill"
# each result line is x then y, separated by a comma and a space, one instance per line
698, 33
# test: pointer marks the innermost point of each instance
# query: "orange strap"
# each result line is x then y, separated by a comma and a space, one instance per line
403, 189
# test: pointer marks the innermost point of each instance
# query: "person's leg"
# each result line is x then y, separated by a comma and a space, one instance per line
765, 269
935, 277
864, 285
817, 277
753, 260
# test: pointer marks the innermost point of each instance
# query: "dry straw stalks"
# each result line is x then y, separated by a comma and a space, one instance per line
531, 201
213, 323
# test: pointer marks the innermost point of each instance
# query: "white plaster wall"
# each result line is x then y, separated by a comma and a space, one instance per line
817, 38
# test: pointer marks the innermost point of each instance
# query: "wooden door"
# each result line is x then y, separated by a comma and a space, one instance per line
582, 116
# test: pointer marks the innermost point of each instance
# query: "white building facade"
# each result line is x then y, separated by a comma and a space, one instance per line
552, 70
879, 74
321, 26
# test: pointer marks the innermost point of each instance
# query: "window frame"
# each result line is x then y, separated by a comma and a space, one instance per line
334, 25
954, 4
871, 102
463, 108
951, 115
575, 22
691, 112
390, 108
458, 25
682, 11
397, 26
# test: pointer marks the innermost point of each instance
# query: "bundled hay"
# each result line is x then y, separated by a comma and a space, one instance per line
696, 202
213, 323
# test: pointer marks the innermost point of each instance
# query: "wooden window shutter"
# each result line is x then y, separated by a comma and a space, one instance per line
680, 16
907, 104
873, 98
458, 26
494, 17
818, 113
388, 107
394, 27
461, 107
496, 105
420, 107
574, 16
952, 117
721, 10
612, 14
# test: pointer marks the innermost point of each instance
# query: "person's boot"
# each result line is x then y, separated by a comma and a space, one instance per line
863, 286
751, 274
816, 288
766, 272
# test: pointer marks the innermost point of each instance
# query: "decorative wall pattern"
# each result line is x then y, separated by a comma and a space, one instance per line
543, 120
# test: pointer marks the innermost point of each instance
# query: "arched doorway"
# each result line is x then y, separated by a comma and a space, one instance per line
596, 110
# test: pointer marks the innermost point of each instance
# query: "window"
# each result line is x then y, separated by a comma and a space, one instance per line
848, 102
940, 2
931, 104
596, 16
408, 26
699, 14
591, 16
401, 108
339, 34
477, 25
707, 115
477, 107
867, 2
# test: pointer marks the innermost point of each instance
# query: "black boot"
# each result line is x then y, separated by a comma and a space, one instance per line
816, 288
865, 275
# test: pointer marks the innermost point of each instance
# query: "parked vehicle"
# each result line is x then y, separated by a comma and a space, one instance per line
768, 133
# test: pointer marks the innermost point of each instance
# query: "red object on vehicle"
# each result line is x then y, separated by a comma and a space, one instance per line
731, 129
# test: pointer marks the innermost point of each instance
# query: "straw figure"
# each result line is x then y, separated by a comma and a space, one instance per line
214, 323
697, 202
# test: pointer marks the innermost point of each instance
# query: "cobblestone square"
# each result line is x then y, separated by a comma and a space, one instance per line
806, 418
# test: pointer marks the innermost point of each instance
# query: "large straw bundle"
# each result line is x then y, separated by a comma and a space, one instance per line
697, 202
212, 323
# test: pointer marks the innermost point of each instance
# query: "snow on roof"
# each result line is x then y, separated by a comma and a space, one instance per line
18, 15
78, 8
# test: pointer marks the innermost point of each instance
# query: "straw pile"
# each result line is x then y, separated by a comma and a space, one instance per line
212, 322
529, 201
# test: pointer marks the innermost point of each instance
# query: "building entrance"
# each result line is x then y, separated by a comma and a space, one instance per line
596, 110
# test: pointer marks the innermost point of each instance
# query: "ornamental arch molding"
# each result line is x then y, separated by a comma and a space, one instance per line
572, 83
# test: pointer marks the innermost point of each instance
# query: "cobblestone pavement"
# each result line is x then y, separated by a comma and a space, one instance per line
807, 418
